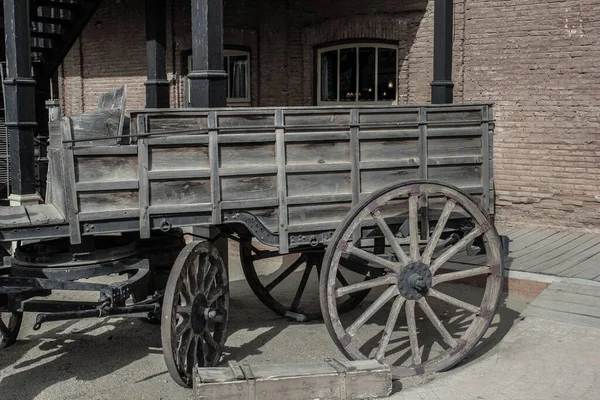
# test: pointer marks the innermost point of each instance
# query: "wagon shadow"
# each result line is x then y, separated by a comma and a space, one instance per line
78, 354
92, 349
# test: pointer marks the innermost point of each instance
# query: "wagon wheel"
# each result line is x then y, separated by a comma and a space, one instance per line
10, 324
294, 303
424, 338
195, 310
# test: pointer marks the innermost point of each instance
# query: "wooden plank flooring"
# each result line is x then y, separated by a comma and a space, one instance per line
566, 302
549, 252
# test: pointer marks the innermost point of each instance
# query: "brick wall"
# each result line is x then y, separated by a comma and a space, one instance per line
281, 36
538, 60
535, 59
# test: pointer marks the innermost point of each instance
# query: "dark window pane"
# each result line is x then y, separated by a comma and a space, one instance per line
386, 76
366, 74
348, 75
238, 77
329, 61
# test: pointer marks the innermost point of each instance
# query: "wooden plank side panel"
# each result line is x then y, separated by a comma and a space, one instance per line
249, 187
245, 119
395, 115
251, 154
306, 184
304, 119
458, 114
317, 153
164, 123
372, 180
178, 157
184, 191
113, 200
106, 168
388, 149
457, 175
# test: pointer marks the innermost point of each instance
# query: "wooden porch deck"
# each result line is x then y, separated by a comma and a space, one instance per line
550, 252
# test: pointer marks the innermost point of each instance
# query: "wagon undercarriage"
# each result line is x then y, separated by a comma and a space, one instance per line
384, 205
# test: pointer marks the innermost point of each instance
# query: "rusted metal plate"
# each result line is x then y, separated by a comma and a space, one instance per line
331, 379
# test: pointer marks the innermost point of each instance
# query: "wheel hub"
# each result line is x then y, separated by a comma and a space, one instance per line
201, 314
414, 281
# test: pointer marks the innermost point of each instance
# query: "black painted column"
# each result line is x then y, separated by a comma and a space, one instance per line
19, 89
157, 85
442, 86
208, 80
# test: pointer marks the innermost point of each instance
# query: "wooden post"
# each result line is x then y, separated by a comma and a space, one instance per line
20, 101
157, 85
208, 79
442, 85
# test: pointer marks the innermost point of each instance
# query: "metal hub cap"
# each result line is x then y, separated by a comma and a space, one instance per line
414, 281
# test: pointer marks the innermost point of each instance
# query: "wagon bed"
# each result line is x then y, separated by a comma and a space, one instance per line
289, 175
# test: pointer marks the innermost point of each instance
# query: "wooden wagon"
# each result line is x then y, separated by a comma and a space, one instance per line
379, 200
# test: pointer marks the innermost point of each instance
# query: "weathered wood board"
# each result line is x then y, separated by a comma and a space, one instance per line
331, 380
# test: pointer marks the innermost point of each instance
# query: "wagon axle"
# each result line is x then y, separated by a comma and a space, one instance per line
133, 311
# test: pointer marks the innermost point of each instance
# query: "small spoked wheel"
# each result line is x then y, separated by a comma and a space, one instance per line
448, 304
195, 310
281, 282
10, 324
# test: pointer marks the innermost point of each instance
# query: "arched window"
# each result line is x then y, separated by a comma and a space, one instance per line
357, 72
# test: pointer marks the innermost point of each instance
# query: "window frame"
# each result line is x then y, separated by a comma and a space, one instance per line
227, 52
354, 45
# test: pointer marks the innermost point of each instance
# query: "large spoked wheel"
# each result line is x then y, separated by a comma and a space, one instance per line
283, 291
195, 310
10, 324
445, 313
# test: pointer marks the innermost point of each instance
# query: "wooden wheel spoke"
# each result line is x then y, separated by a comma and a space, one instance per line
209, 278
373, 308
210, 340
184, 311
389, 236
186, 292
184, 348
373, 259
453, 276
413, 218
369, 284
288, 271
192, 352
437, 232
181, 327
436, 322
214, 295
412, 332
455, 249
192, 277
389, 327
454, 301
302, 286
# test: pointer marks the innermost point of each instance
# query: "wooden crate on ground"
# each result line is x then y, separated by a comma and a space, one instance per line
331, 380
